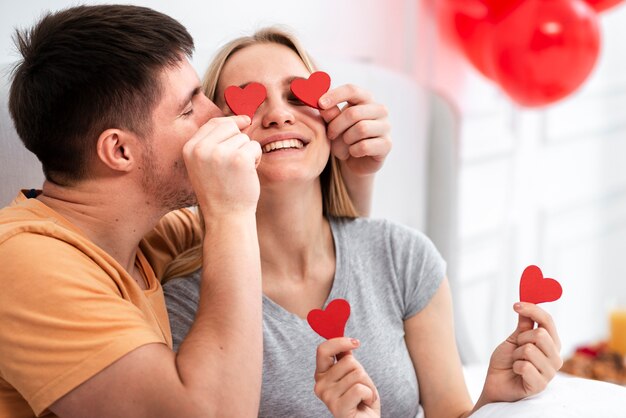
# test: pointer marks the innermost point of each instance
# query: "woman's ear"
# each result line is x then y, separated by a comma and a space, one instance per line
116, 149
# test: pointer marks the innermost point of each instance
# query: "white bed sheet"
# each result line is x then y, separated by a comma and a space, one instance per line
565, 397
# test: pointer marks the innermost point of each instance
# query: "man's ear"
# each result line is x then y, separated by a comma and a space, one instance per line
117, 149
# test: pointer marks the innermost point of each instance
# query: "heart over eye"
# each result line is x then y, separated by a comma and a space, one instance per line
245, 101
310, 90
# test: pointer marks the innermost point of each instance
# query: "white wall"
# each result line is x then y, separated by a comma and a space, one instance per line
361, 42
368, 30
541, 187
545, 187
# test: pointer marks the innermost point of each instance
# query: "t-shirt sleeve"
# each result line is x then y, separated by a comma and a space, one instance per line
63, 319
419, 266
181, 298
176, 232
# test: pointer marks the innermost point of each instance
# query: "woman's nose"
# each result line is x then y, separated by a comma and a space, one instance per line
277, 113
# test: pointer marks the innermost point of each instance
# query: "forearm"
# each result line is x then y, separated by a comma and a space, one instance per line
479, 404
222, 355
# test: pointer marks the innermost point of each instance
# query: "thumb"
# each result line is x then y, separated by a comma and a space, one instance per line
242, 121
330, 113
524, 324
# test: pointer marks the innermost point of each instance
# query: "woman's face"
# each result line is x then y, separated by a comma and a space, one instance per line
292, 135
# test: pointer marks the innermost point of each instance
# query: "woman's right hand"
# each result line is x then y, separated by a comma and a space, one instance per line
343, 384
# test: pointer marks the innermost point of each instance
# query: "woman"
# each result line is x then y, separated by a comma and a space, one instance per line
314, 249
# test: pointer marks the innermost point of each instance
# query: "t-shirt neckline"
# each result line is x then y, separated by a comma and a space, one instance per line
337, 289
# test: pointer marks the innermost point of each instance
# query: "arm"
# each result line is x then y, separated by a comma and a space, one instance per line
218, 368
343, 384
519, 367
430, 340
360, 139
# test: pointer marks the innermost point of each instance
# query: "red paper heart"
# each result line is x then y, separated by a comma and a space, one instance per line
247, 100
535, 289
310, 90
330, 323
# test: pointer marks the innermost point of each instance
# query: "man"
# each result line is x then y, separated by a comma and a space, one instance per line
107, 100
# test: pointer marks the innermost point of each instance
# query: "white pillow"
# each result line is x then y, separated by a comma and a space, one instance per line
565, 397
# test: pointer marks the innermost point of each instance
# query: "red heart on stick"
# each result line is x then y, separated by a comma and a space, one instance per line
247, 100
330, 323
535, 289
310, 90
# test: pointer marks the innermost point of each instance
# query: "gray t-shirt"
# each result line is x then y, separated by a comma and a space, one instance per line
388, 273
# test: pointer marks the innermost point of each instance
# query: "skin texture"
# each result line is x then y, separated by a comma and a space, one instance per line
297, 252
217, 370
358, 131
298, 259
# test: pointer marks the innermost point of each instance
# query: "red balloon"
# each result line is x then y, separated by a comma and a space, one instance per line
602, 5
472, 22
475, 36
543, 50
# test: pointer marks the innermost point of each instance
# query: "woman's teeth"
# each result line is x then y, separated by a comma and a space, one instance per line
287, 143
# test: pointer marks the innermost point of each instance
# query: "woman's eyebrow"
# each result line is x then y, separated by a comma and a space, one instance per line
289, 80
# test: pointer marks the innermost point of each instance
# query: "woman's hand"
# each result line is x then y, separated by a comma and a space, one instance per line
343, 385
524, 364
360, 131
359, 134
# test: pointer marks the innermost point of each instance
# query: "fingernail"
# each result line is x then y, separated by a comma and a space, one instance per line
324, 102
517, 306
355, 342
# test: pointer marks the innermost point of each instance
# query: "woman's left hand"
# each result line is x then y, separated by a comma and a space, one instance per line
524, 364
360, 131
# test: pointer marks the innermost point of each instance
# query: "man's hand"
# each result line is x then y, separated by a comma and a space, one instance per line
221, 163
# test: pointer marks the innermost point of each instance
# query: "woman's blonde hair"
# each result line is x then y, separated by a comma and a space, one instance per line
335, 197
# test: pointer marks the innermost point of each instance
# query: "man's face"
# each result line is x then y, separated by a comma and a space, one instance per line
183, 109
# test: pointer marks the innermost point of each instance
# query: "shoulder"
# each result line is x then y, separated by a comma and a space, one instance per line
378, 230
176, 224
55, 267
175, 233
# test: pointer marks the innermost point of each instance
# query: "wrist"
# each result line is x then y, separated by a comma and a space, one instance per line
482, 401
220, 219
226, 211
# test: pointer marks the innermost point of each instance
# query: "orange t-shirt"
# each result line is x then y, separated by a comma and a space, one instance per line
67, 308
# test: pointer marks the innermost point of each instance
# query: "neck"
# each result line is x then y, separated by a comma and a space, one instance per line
112, 213
294, 236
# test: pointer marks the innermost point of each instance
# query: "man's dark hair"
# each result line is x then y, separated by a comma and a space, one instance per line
86, 69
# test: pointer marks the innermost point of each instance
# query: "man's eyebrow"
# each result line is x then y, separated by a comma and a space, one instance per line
187, 99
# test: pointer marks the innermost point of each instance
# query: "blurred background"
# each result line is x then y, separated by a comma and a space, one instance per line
497, 184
